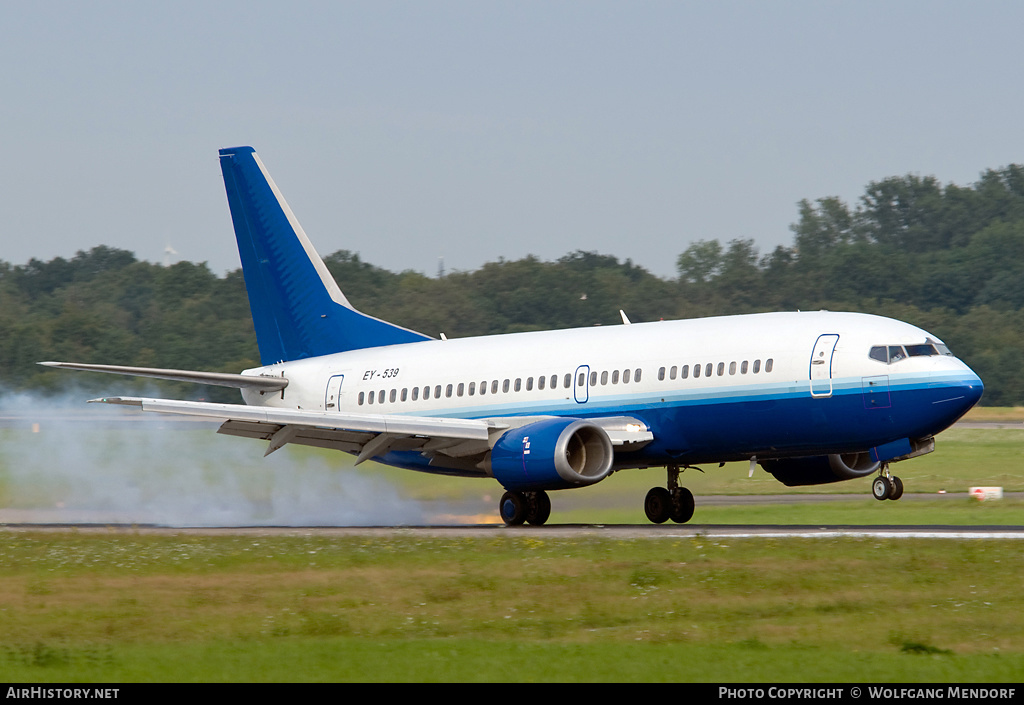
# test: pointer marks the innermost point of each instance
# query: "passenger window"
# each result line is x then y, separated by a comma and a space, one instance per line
625, 376
636, 376
661, 374
362, 398
757, 366
461, 389
707, 369
494, 387
540, 382
615, 377
582, 380
472, 388
371, 395
426, 393
743, 367
604, 377
732, 368
554, 381
684, 372
519, 383
529, 384
593, 378
448, 391
768, 365
405, 394
437, 391
415, 393
380, 397
672, 372
567, 382
505, 386
696, 371
721, 369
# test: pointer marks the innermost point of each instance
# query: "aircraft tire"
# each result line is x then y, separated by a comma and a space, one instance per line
538, 508
658, 505
682, 505
512, 508
897, 488
881, 489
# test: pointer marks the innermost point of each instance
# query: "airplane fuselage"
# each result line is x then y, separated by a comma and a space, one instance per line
710, 390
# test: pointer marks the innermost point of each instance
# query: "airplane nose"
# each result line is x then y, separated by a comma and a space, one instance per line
962, 395
974, 388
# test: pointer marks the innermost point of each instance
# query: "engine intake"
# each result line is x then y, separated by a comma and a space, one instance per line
821, 469
551, 454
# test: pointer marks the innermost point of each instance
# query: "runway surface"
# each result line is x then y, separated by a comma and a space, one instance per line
623, 531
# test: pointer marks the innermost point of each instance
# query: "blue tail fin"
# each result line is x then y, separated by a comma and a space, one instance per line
297, 308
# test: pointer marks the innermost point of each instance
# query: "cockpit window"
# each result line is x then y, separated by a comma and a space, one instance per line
880, 353
894, 353
921, 350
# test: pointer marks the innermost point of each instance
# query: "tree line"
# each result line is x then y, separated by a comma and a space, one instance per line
948, 258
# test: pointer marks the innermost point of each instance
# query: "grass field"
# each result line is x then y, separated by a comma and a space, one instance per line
123, 606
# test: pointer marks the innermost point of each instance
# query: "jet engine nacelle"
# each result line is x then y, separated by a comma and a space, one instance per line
552, 454
821, 469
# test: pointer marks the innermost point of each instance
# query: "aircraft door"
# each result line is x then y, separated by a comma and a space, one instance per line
581, 384
821, 365
332, 398
875, 391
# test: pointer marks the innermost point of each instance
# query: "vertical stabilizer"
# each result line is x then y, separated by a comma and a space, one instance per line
297, 308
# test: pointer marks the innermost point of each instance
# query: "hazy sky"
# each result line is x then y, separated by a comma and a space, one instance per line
409, 131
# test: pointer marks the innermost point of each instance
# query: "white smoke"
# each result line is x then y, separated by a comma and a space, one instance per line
63, 461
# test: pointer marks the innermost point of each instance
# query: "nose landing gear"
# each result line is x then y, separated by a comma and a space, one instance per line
886, 485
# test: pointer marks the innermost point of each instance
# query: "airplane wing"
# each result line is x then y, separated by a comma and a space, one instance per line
365, 434
456, 444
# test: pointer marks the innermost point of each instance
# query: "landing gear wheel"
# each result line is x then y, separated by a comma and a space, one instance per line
658, 505
512, 508
897, 488
682, 505
538, 507
881, 488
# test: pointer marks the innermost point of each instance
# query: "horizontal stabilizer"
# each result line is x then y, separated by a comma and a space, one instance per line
218, 379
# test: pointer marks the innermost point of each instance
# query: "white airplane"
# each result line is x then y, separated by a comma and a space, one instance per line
813, 397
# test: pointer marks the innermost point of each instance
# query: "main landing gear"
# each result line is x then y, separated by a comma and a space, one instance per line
675, 502
886, 485
530, 507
